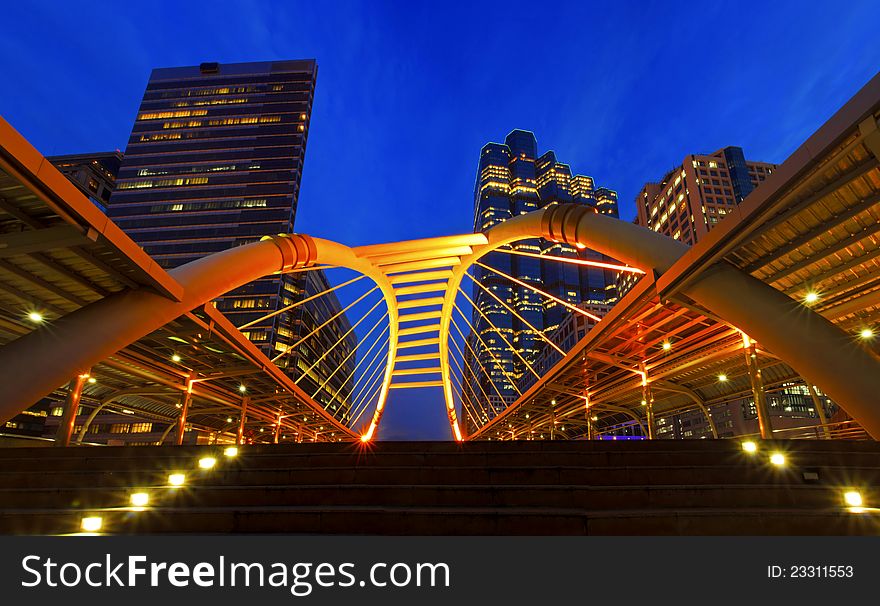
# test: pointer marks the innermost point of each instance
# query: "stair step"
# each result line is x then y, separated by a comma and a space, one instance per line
440, 521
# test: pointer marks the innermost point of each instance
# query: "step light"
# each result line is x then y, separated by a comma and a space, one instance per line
92, 524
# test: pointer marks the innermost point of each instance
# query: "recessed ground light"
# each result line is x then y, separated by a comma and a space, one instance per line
207, 462
177, 479
778, 459
853, 498
230, 451
92, 524
750, 446
140, 499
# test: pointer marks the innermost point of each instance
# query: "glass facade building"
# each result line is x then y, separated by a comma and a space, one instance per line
512, 179
214, 161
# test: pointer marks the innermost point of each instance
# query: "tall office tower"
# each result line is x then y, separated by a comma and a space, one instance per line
511, 180
691, 198
94, 173
214, 161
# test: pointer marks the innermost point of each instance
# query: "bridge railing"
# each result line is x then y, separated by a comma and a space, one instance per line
840, 430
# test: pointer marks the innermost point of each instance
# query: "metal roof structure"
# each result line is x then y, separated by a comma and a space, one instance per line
812, 227
60, 253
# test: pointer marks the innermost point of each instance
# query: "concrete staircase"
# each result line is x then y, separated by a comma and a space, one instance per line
487, 488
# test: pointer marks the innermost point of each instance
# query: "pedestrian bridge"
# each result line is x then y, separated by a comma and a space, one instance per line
786, 288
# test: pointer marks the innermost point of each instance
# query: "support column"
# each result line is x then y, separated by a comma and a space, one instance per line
184, 409
277, 435
764, 422
820, 410
647, 401
71, 408
589, 416
239, 437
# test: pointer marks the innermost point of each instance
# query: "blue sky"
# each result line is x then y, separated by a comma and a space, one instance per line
408, 92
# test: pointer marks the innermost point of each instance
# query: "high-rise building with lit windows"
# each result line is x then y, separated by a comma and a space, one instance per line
512, 179
693, 197
214, 161
690, 199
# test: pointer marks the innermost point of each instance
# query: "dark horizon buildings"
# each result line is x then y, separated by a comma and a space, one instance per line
512, 179
214, 161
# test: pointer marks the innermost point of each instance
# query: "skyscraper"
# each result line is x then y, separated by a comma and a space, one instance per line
511, 180
214, 160
692, 197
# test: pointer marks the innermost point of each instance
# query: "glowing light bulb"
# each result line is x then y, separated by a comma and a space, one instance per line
853, 498
92, 524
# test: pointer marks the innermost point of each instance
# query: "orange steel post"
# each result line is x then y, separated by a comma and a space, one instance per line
820, 410
71, 409
765, 425
589, 416
185, 400
239, 437
277, 435
647, 401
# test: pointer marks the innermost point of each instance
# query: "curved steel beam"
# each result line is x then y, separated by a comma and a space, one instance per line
165, 433
340, 255
135, 391
676, 388
625, 411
